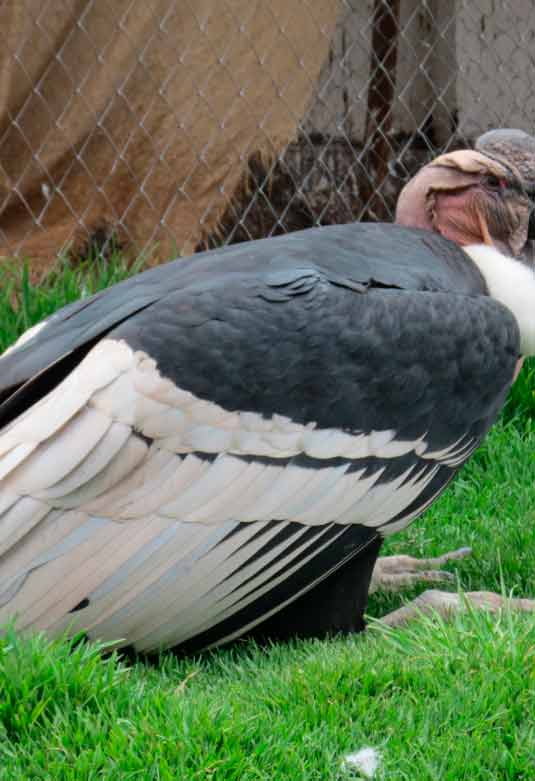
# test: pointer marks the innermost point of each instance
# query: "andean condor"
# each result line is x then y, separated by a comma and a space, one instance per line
217, 447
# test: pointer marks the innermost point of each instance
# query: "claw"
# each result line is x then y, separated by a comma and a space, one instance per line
438, 561
392, 573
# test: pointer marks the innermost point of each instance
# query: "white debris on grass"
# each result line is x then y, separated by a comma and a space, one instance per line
364, 762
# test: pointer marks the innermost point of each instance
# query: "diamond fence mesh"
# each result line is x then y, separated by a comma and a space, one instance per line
170, 126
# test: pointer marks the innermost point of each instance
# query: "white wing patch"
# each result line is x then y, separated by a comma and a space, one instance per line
159, 534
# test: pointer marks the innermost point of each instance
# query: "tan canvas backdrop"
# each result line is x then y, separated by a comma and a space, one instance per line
139, 115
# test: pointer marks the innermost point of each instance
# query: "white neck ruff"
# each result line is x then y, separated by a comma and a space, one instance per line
511, 283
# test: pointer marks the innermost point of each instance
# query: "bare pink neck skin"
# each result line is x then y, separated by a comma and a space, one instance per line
443, 200
411, 209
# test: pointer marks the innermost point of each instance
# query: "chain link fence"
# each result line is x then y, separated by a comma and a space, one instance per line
167, 127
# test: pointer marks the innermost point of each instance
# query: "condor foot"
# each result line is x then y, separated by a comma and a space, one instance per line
445, 603
393, 573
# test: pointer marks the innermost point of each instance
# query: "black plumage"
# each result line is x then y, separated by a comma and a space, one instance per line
333, 380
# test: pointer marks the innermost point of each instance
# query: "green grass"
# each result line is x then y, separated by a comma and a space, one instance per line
440, 701
521, 401
22, 304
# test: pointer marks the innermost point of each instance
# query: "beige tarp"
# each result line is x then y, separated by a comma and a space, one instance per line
138, 116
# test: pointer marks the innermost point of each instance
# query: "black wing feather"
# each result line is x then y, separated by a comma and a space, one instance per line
356, 256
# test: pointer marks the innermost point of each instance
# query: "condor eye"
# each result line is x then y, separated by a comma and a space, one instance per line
495, 183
